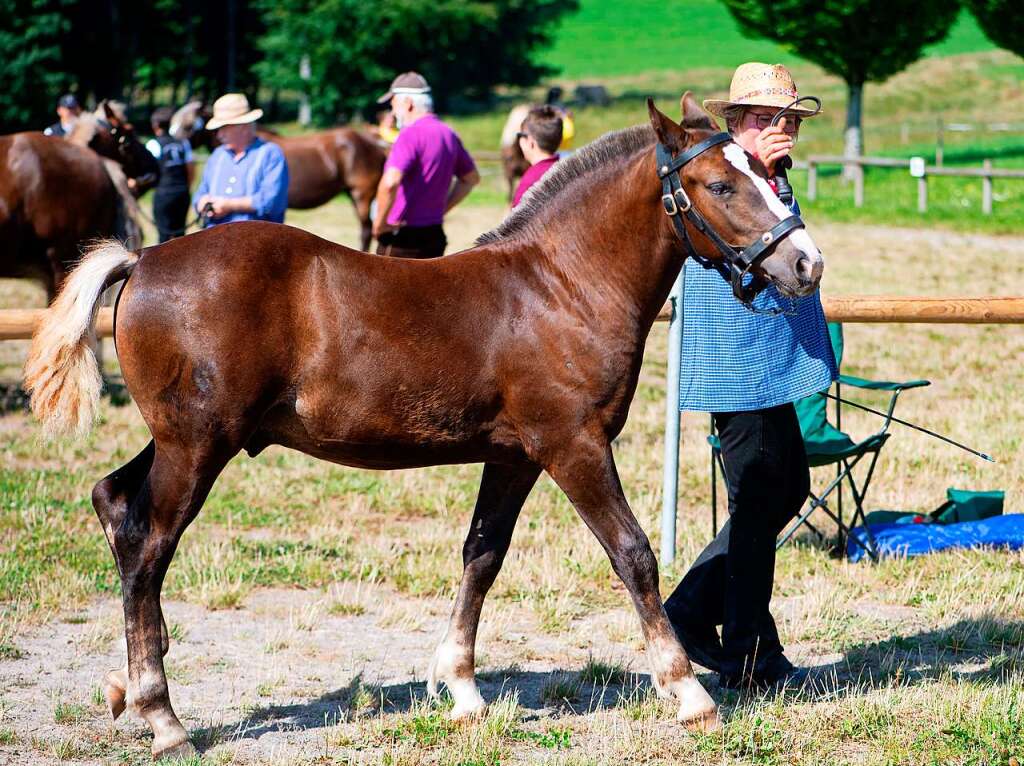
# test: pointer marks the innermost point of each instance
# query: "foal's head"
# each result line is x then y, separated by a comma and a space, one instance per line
729, 187
108, 133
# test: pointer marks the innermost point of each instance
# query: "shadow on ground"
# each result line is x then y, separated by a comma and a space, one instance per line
985, 650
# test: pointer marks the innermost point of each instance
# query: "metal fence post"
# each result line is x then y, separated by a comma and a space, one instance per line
858, 186
922, 194
670, 482
812, 180
986, 189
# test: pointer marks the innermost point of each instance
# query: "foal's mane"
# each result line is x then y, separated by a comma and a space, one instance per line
88, 123
593, 156
85, 129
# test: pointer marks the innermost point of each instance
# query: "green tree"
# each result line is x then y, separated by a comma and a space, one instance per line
860, 41
355, 48
1002, 21
31, 67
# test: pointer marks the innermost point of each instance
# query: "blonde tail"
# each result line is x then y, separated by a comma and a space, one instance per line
61, 373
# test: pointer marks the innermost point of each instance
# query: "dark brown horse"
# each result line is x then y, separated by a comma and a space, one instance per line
323, 165
110, 135
56, 194
522, 353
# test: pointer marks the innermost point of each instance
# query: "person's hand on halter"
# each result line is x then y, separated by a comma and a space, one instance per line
773, 144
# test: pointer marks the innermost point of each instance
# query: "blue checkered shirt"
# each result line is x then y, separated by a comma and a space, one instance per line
735, 360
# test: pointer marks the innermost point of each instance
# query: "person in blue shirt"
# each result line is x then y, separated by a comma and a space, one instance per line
747, 368
246, 178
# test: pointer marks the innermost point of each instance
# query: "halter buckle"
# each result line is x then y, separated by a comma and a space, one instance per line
669, 202
684, 200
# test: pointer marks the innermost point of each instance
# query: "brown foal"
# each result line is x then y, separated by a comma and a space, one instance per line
521, 353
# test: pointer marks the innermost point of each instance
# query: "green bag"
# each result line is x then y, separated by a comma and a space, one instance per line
960, 505
965, 505
895, 517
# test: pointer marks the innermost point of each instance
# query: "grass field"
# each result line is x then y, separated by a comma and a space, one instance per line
609, 38
305, 600
976, 88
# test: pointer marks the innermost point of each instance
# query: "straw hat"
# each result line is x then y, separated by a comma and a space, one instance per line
757, 84
232, 109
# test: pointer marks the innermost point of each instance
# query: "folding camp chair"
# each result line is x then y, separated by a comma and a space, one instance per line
827, 445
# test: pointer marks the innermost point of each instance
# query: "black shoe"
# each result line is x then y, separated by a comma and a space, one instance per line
701, 643
775, 674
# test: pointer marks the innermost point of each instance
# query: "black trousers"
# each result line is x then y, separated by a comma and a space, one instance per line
170, 206
730, 583
413, 242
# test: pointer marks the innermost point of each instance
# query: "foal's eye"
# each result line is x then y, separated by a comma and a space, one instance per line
720, 188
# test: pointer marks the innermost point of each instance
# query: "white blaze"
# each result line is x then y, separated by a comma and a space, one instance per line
800, 238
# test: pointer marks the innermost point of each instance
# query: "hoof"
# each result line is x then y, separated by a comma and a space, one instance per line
468, 712
697, 710
178, 752
706, 722
114, 692
433, 688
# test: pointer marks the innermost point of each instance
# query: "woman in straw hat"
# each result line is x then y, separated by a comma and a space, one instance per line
246, 178
747, 368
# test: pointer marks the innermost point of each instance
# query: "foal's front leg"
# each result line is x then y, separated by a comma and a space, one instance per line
503, 491
585, 470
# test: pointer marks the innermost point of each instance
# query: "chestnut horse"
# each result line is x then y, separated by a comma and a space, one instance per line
56, 194
522, 353
323, 165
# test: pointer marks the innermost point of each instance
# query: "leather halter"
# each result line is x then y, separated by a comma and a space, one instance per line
678, 205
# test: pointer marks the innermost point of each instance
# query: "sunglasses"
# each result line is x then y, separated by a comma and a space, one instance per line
520, 134
765, 120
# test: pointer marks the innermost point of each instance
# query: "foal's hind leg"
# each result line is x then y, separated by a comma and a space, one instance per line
503, 491
361, 199
110, 498
586, 473
144, 542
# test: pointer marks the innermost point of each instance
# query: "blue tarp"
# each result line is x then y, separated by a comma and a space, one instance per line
917, 539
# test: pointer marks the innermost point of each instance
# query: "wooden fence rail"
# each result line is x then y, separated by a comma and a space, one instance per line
18, 324
914, 309
986, 173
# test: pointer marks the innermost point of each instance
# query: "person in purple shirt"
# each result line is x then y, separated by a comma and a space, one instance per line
539, 139
246, 178
416, 189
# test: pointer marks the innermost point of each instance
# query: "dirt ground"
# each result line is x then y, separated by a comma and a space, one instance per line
268, 683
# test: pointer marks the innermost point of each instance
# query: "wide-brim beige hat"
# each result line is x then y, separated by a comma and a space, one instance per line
757, 84
232, 109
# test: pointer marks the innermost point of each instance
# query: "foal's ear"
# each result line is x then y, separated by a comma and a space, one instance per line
668, 133
110, 114
694, 116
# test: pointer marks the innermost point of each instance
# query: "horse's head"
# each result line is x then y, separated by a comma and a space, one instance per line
728, 189
115, 138
189, 123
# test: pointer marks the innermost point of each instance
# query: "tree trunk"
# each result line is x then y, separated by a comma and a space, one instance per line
853, 138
